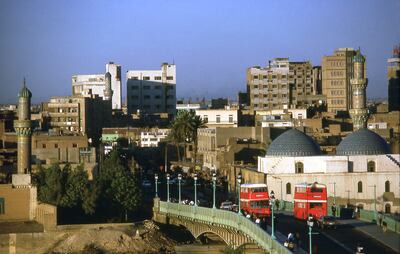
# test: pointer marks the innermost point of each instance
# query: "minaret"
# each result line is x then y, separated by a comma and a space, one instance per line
23, 128
359, 112
108, 93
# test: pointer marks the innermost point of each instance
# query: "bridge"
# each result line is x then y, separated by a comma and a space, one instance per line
234, 229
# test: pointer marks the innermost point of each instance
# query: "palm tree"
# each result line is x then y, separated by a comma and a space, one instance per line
196, 122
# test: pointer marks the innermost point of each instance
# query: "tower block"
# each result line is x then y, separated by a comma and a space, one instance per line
23, 128
359, 112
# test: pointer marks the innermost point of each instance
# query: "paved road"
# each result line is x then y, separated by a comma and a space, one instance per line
342, 240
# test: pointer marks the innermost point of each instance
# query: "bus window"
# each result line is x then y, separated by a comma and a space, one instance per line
301, 189
315, 205
259, 204
315, 189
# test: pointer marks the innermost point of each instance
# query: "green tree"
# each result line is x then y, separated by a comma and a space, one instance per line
126, 192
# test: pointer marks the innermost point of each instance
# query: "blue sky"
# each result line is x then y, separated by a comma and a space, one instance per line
211, 42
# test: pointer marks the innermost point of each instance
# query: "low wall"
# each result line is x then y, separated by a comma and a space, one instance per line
46, 215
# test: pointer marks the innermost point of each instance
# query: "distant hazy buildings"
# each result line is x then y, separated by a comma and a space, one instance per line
282, 84
94, 84
394, 80
337, 70
152, 91
219, 117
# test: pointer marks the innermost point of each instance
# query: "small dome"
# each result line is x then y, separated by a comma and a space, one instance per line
293, 143
24, 92
363, 142
358, 57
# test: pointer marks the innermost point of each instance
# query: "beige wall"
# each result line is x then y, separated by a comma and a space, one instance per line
18, 202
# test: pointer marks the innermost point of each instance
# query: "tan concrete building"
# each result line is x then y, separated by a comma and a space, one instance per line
282, 84
77, 115
337, 70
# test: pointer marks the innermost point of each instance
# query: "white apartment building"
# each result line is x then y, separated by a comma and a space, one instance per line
94, 84
219, 117
152, 91
153, 137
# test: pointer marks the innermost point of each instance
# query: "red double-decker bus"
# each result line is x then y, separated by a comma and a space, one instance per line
310, 199
254, 199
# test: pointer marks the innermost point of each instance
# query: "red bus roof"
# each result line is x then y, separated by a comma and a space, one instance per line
253, 185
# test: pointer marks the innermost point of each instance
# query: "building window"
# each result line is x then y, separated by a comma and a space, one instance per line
146, 87
359, 187
134, 87
299, 167
146, 78
387, 186
74, 145
157, 78
146, 97
288, 188
218, 119
157, 87
170, 78
371, 166
135, 78
157, 97
43, 145
2, 208
205, 118
55, 145
387, 208
231, 118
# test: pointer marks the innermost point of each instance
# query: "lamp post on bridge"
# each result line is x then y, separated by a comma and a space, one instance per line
239, 180
168, 176
195, 189
310, 223
156, 184
179, 187
334, 199
214, 179
281, 201
272, 204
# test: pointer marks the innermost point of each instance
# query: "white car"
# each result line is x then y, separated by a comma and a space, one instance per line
227, 205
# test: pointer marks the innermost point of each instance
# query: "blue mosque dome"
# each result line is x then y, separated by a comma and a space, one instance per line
363, 142
293, 143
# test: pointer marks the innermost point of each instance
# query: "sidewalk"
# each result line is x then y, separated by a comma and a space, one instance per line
388, 238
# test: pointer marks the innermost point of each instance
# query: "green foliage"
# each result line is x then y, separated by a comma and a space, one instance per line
114, 188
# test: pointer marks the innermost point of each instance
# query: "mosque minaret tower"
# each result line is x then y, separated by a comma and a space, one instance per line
359, 112
23, 128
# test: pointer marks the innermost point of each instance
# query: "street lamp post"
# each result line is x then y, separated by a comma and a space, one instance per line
239, 180
334, 199
195, 189
310, 223
179, 187
156, 184
375, 211
168, 176
272, 204
214, 179
281, 201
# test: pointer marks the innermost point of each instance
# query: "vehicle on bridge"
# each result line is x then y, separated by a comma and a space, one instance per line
310, 199
254, 199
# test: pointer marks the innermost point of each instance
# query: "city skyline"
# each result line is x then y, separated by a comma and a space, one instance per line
211, 44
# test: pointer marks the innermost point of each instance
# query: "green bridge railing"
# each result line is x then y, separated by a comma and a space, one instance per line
225, 219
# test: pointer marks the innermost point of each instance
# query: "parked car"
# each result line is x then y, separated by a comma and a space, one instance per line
327, 222
227, 205
146, 184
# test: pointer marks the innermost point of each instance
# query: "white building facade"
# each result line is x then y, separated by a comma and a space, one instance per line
152, 91
219, 117
153, 138
94, 84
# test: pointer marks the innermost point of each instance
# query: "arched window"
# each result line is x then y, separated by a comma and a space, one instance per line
288, 188
387, 208
359, 187
387, 186
299, 167
371, 166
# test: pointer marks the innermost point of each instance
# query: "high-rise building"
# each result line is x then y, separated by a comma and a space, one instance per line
337, 70
23, 128
95, 84
282, 84
359, 111
152, 91
394, 79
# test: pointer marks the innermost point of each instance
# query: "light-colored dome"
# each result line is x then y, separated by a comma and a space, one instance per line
363, 142
24, 92
293, 143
